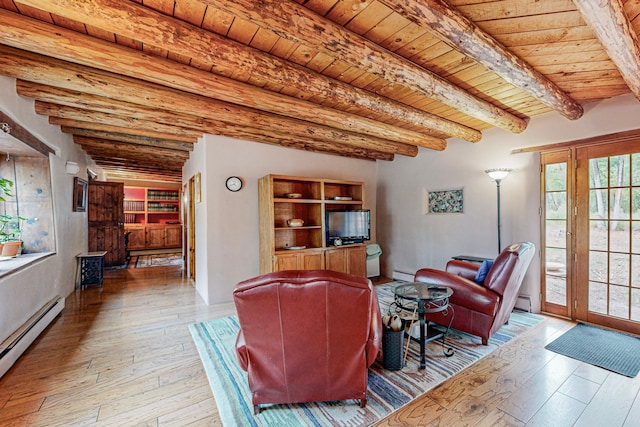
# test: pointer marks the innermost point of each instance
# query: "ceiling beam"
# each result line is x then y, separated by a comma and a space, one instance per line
234, 131
55, 42
463, 35
183, 109
612, 27
129, 150
151, 28
81, 124
137, 164
298, 24
22, 134
130, 143
126, 173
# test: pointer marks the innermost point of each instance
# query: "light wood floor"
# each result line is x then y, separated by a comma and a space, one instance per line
122, 356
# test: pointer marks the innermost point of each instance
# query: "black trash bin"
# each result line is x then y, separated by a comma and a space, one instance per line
392, 346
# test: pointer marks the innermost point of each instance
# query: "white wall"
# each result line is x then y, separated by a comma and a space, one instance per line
227, 243
410, 239
25, 292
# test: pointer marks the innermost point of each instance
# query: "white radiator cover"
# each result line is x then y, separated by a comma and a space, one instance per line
13, 347
401, 275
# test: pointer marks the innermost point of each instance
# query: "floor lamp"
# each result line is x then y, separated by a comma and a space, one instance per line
498, 175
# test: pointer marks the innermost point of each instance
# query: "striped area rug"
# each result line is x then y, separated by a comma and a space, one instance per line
388, 390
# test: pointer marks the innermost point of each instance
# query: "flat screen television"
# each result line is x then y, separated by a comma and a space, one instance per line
348, 226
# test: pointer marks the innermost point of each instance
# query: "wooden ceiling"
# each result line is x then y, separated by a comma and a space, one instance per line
138, 82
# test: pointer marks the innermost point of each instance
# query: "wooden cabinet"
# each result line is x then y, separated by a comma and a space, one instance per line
137, 237
152, 216
304, 247
299, 260
173, 236
347, 259
156, 236
336, 260
357, 260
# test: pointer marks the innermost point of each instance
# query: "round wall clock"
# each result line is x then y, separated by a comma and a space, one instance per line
233, 183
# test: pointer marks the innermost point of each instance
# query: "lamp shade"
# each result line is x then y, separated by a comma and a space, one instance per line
498, 174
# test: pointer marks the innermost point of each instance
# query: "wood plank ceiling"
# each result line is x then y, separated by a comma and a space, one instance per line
138, 82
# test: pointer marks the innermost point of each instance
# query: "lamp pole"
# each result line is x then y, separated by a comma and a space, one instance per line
498, 175
499, 225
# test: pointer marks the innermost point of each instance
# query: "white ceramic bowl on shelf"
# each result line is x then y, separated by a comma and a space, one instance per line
295, 222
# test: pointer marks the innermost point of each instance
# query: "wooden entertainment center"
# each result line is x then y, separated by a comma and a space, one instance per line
291, 246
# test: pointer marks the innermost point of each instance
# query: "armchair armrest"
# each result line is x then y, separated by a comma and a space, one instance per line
465, 269
466, 292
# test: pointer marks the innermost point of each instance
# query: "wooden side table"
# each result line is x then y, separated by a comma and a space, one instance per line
90, 269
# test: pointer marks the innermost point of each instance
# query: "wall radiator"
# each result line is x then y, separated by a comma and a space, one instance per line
401, 275
21, 339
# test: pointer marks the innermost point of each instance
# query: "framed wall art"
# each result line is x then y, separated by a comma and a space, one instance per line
80, 187
447, 201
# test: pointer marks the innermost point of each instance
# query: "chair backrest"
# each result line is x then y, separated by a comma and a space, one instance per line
306, 329
509, 268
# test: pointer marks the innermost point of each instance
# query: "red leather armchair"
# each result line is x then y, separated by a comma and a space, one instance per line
307, 336
482, 309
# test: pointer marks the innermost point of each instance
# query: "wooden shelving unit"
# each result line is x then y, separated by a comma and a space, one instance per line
283, 247
152, 217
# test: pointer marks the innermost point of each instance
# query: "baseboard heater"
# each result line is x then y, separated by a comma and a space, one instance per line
524, 303
401, 275
13, 347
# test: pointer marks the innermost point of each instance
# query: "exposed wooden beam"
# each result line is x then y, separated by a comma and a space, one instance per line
112, 142
182, 108
464, 36
629, 136
234, 131
35, 36
612, 27
127, 156
22, 134
306, 144
46, 108
81, 124
151, 28
133, 173
296, 23
82, 107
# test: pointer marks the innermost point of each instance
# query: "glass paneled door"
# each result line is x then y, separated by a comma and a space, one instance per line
608, 235
556, 226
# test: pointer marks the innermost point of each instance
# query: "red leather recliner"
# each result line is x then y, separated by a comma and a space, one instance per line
482, 309
307, 336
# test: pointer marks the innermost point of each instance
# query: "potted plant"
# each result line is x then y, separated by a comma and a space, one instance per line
10, 226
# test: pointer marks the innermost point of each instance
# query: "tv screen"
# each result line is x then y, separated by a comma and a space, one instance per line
349, 226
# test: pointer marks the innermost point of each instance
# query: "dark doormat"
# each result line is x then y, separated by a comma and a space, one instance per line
614, 351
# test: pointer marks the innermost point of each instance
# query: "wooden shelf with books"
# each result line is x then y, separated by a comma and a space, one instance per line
152, 217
